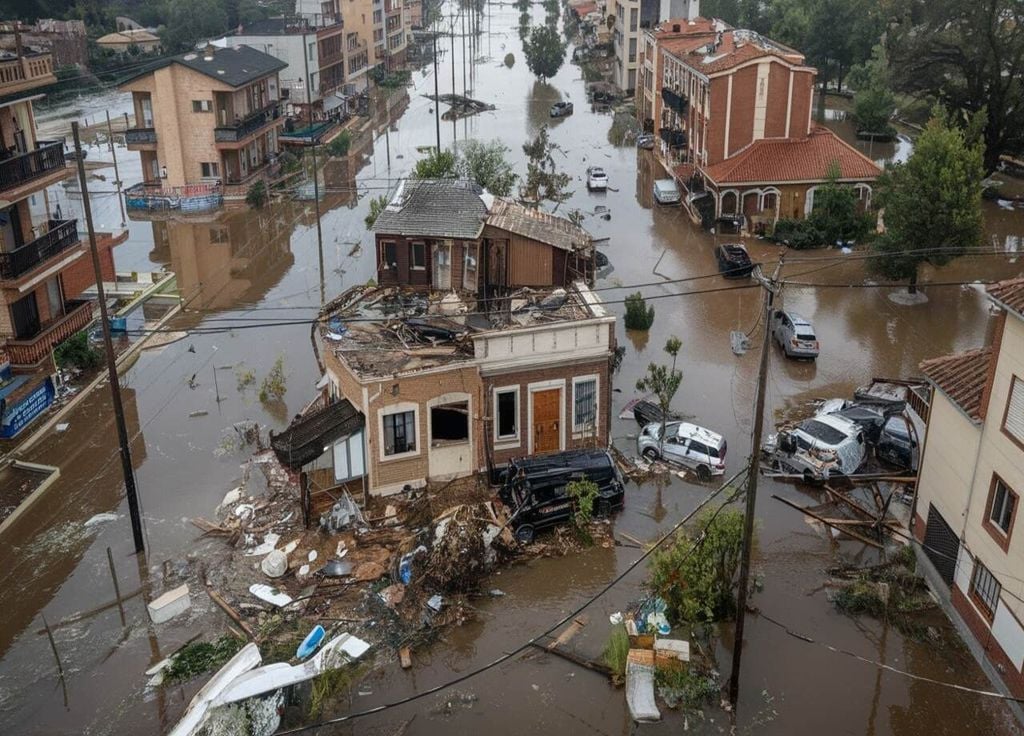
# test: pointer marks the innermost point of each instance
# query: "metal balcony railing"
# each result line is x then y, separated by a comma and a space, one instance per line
140, 135
61, 235
247, 125
17, 170
674, 101
32, 350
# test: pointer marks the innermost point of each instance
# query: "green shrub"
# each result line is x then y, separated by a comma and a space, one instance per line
76, 352
274, 387
377, 205
615, 653
583, 494
638, 315
340, 145
257, 196
194, 659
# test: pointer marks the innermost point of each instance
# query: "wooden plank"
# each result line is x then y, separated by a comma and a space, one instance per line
231, 612
405, 657
843, 498
569, 632
813, 515
590, 664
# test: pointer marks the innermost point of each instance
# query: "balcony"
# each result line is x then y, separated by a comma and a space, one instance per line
25, 73
674, 101
26, 167
673, 138
140, 136
247, 126
189, 198
34, 350
62, 235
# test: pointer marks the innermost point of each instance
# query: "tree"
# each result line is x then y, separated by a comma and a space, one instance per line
638, 315
836, 216
257, 196
699, 584
544, 51
543, 180
485, 163
873, 108
437, 165
968, 55
377, 205
663, 382
187, 22
932, 203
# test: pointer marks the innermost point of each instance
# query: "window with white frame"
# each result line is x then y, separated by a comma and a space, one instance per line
442, 256
584, 402
349, 461
985, 589
419, 256
399, 433
1001, 506
210, 169
1013, 424
469, 267
506, 414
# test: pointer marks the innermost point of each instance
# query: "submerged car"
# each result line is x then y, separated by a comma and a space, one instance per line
645, 141
561, 109
666, 191
733, 261
597, 179
686, 444
832, 434
534, 488
795, 335
897, 443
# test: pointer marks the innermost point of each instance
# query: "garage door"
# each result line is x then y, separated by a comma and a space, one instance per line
941, 544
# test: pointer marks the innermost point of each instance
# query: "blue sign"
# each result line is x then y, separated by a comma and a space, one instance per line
18, 416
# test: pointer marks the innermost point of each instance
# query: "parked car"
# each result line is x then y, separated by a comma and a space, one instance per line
534, 488
666, 191
733, 261
645, 140
868, 418
685, 444
795, 335
897, 443
597, 179
832, 434
561, 109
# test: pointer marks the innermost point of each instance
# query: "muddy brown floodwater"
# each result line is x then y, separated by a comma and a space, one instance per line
242, 269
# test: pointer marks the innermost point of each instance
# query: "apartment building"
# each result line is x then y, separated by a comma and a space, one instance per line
44, 266
206, 126
390, 49
732, 111
972, 475
632, 18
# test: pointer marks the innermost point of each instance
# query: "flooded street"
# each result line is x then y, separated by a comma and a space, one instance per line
241, 270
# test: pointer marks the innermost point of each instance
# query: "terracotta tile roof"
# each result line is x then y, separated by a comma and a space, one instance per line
734, 47
1009, 293
683, 172
774, 160
961, 377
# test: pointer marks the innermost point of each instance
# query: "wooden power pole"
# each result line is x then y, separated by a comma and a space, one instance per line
755, 459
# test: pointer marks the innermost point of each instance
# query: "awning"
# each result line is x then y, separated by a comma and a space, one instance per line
334, 101
307, 437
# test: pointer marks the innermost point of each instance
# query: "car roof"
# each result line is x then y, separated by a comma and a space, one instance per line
596, 170
835, 421
694, 432
733, 247
664, 183
796, 319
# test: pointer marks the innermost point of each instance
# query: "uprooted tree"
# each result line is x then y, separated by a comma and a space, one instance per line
932, 203
543, 180
544, 51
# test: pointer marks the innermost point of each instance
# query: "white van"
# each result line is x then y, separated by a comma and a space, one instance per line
666, 191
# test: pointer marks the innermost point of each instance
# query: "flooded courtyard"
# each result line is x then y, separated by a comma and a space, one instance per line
250, 282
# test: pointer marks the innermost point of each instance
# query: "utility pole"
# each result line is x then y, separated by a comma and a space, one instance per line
755, 458
316, 179
465, 91
110, 139
452, 33
108, 346
437, 94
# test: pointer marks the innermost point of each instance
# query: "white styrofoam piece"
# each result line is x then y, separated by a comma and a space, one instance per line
170, 604
270, 594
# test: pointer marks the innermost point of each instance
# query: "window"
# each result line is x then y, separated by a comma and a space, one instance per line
1013, 422
400, 433
985, 589
348, 458
312, 51
419, 256
584, 414
210, 169
442, 266
449, 424
469, 268
390, 255
202, 106
378, 16
1002, 507
506, 414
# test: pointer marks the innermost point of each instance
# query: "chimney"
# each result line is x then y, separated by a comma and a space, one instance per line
208, 52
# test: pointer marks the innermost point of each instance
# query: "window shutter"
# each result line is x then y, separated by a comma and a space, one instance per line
1015, 410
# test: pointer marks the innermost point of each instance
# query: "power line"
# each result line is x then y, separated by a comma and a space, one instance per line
526, 645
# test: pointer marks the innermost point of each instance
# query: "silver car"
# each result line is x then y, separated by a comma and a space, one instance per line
666, 191
795, 335
685, 444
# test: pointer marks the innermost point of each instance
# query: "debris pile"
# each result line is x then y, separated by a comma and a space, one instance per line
460, 106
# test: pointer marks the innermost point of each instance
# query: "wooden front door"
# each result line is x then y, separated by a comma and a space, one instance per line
547, 420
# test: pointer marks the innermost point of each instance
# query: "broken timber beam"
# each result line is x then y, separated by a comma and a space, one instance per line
231, 612
570, 631
823, 520
575, 658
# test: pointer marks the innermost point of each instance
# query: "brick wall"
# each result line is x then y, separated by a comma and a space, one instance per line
716, 125
744, 94
778, 96
505, 451
79, 276
803, 98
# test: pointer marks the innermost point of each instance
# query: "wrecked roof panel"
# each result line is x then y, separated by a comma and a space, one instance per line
434, 208
305, 438
538, 225
1009, 293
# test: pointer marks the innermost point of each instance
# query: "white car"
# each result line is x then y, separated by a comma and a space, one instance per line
823, 444
597, 179
685, 444
666, 192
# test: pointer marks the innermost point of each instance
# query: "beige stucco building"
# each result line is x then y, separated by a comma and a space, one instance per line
972, 474
206, 119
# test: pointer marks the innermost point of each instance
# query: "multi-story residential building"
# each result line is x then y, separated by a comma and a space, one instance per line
632, 17
206, 126
970, 485
732, 110
44, 266
391, 49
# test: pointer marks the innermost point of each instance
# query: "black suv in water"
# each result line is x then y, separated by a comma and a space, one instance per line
533, 488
